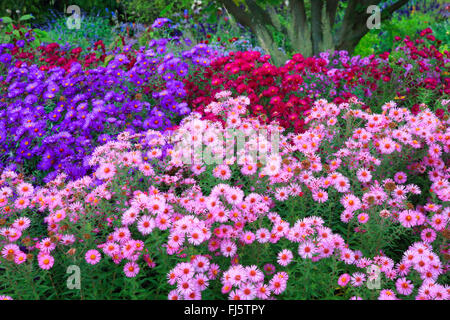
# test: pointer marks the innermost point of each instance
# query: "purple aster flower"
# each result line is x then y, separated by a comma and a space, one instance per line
20, 43
160, 22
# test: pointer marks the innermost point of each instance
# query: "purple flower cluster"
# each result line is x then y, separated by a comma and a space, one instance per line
52, 120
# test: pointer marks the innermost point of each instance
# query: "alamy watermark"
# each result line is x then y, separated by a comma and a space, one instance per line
74, 21
374, 279
374, 20
74, 280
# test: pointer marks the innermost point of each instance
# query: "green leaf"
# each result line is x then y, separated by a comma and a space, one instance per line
6, 20
26, 17
108, 59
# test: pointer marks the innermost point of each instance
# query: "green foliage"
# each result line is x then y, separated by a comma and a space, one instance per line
18, 7
378, 41
92, 29
41, 9
442, 32
8, 34
147, 11
366, 44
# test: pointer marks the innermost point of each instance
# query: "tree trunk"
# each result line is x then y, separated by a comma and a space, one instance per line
308, 38
299, 33
257, 20
264, 37
316, 26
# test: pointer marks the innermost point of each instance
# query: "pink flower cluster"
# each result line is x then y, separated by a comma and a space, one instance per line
210, 215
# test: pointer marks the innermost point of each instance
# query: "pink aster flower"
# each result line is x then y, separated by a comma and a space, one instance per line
282, 194
277, 285
46, 245
404, 286
285, 257
358, 279
320, 196
21, 203
428, 235
105, 171
25, 189
196, 236
387, 146
145, 225
185, 285
10, 249
363, 218
201, 282
254, 274
387, 294
228, 248
344, 279
201, 263
262, 291
438, 222
92, 256
262, 235
213, 272
131, 269
20, 258
406, 218
363, 175
306, 249
400, 177
351, 202
45, 261
247, 291
173, 295
269, 268
248, 237
222, 172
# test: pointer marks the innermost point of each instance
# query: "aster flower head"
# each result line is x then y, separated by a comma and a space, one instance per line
92, 257
160, 22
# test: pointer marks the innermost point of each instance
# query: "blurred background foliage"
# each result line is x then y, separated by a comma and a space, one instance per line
414, 17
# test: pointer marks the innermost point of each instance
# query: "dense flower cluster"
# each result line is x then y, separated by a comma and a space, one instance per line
24, 49
287, 93
52, 115
204, 222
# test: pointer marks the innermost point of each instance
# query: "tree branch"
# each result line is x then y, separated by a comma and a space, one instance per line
239, 14
259, 13
387, 13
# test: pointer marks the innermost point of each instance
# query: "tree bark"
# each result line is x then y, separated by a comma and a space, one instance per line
316, 26
299, 33
257, 20
332, 6
308, 38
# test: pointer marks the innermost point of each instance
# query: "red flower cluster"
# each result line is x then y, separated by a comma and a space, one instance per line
288, 92
249, 73
52, 55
